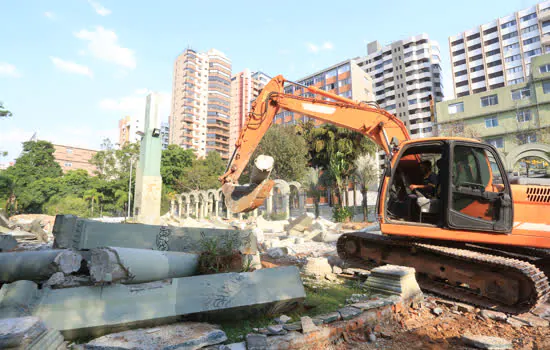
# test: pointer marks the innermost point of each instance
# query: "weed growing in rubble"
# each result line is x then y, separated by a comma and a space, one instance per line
221, 254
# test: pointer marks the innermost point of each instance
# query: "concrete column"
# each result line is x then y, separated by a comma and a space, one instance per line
130, 265
173, 207
180, 208
37, 265
286, 206
197, 209
216, 212
187, 208
269, 203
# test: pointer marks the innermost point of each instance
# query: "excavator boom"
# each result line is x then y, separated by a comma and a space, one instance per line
375, 123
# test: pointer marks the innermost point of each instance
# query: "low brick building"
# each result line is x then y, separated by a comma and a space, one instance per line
73, 158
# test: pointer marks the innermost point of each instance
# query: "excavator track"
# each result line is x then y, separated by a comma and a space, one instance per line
485, 280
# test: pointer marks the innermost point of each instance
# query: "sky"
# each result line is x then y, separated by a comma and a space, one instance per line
70, 69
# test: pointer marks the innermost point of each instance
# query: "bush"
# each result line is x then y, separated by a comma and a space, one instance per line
277, 216
341, 214
67, 205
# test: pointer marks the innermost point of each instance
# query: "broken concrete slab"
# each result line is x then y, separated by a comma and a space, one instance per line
7, 243
327, 237
493, 315
307, 325
129, 265
83, 234
485, 342
393, 280
186, 335
37, 265
348, 312
300, 224
531, 320
20, 332
85, 311
318, 267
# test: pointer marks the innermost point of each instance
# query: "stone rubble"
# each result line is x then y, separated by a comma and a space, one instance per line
486, 342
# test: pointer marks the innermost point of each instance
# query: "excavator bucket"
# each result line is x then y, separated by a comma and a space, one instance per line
245, 198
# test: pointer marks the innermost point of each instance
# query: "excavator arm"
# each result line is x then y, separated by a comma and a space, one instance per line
375, 123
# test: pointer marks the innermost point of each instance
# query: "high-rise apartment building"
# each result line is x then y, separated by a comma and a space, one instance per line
406, 74
201, 102
128, 128
499, 53
245, 87
346, 79
164, 134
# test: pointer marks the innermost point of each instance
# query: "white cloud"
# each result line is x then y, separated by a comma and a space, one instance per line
312, 47
134, 105
103, 44
9, 70
99, 9
327, 45
49, 15
71, 67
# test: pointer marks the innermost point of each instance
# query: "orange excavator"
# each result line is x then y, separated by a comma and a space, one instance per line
470, 234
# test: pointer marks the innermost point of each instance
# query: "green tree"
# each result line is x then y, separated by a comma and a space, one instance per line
312, 183
289, 151
35, 163
173, 163
366, 172
66, 205
4, 112
93, 196
203, 174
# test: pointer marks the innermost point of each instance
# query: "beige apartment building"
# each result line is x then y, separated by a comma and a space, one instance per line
73, 158
201, 102
245, 87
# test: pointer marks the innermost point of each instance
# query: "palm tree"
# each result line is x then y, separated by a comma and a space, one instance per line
312, 184
93, 196
367, 173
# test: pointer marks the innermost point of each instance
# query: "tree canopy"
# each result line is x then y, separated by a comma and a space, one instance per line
4, 112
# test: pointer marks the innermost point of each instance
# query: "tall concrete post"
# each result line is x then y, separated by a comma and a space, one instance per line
180, 208
216, 212
187, 208
148, 181
197, 209
286, 205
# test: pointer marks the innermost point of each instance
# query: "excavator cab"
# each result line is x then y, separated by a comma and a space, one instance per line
462, 186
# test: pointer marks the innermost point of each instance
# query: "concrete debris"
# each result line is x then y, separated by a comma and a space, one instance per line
271, 226
20, 332
336, 270
56, 279
348, 312
485, 342
128, 265
4, 222
283, 319
372, 337
327, 237
531, 320
7, 243
81, 234
111, 306
276, 330
437, 311
37, 265
331, 277
393, 280
318, 267
300, 224
493, 315
276, 253
299, 240
356, 298
307, 325
256, 342
187, 335
259, 233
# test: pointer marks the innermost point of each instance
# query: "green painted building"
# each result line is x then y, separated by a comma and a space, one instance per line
515, 119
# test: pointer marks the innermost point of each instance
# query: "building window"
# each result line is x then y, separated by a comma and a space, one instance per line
512, 58
532, 40
527, 138
68, 164
69, 150
528, 17
546, 87
509, 35
515, 81
508, 24
498, 142
521, 94
491, 122
514, 70
489, 100
456, 108
530, 29
544, 68
523, 116
533, 52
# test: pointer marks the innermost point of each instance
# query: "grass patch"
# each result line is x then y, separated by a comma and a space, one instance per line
320, 299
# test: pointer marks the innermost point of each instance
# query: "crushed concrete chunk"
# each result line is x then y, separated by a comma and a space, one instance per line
187, 335
531, 320
20, 332
317, 267
485, 342
283, 319
493, 315
307, 325
300, 224
57, 279
276, 253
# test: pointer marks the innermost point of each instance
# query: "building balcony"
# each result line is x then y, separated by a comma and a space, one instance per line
508, 30
460, 57
490, 36
461, 78
479, 73
530, 47
528, 23
378, 88
510, 41
459, 68
545, 39
491, 47
479, 85
417, 66
544, 16
464, 88
496, 80
475, 52
492, 58
494, 69
473, 42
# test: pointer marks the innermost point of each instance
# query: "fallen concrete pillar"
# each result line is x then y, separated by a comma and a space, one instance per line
300, 224
37, 265
85, 311
186, 335
261, 169
128, 265
7, 243
80, 234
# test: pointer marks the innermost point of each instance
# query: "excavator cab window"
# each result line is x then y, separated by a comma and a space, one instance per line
479, 197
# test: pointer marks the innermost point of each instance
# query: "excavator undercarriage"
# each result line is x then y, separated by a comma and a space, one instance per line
489, 278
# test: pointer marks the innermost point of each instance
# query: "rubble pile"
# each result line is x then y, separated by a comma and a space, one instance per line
27, 229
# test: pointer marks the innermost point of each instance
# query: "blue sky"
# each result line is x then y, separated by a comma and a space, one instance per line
70, 69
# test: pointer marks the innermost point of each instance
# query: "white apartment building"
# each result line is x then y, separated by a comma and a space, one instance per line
499, 53
406, 74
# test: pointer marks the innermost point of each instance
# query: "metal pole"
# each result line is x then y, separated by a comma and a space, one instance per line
130, 184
